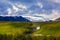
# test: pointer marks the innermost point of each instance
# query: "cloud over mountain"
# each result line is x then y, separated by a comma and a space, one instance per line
34, 10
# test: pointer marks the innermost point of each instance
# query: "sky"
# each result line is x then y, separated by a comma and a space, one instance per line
34, 10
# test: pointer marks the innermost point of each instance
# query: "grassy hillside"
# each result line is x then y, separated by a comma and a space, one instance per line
48, 28
13, 27
22, 28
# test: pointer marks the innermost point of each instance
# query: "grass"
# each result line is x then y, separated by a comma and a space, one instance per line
12, 27
47, 28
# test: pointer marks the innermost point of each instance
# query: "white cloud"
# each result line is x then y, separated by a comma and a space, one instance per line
15, 9
44, 17
9, 11
20, 6
34, 19
34, 16
40, 4
12, 11
56, 1
55, 14
38, 17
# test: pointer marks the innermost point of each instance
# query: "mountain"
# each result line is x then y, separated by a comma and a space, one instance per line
58, 19
14, 18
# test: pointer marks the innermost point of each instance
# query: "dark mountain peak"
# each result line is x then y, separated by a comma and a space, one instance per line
13, 18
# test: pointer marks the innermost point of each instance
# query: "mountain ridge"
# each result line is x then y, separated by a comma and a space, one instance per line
13, 18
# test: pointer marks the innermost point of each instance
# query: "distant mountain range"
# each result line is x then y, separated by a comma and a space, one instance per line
23, 19
14, 18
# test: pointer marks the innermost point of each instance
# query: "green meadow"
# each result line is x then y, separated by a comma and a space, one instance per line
12, 27
48, 28
24, 30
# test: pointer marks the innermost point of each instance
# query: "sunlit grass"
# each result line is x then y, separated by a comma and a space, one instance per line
8, 28
47, 28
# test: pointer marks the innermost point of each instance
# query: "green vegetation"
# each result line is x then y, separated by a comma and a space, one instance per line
49, 28
13, 27
24, 30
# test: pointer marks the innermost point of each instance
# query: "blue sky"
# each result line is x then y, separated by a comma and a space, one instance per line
33, 10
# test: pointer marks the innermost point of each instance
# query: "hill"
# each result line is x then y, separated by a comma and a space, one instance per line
14, 18
21, 30
46, 28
